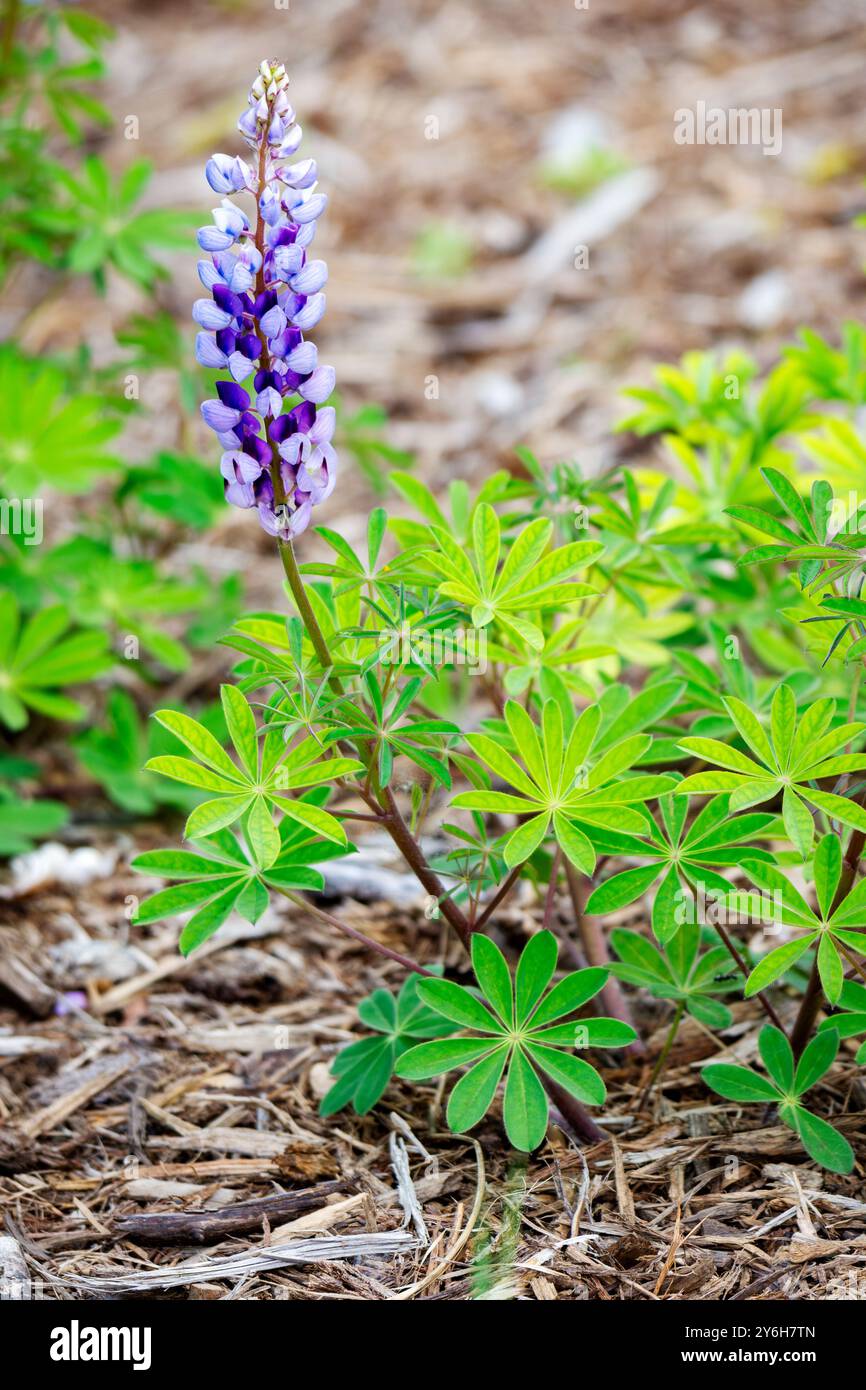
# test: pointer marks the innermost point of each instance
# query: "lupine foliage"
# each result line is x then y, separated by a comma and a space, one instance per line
643, 688
627, 681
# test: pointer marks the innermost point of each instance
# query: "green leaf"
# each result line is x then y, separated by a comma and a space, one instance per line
827, 870
208, 920
215, 815
312, 818
473, 1095
455, 1003
524, 1111
241, 726
572, 1073
358, 1061
182, 898
493, 976
570, 994
709, 1011
712, 750
738, 1083
820, 1140
263, 834
199, 741
191, 774
177, 863
776, 964
524, 841
668, 904
433, 1058
799, 825
830, 968
534, 973
751, 730
777, 1057
783, 718
576, 846
621, 889
817, 1059
485, 537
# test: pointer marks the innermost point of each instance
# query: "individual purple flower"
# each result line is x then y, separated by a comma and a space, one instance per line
227, 174
240, 472
265, 294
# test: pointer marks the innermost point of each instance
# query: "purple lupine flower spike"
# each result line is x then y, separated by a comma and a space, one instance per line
265, 294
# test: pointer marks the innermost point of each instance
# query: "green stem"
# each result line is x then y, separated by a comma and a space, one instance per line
663, 1055
308, 617
392, 819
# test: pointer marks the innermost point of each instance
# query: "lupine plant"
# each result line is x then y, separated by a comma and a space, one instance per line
599, 720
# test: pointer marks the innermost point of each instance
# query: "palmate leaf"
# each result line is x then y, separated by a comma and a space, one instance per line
39, 655
222, 876
682, 858
250, 789
389, 729
350, 572
793, 756
127, 596
108, 229
364, 1069
562, 780
679, 972
521, 1029
53, 436
836, 933
526, 582
785, 1087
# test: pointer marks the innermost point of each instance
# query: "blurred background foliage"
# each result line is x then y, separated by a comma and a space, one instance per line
119, 606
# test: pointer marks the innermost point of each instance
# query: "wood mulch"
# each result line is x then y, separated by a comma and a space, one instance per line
161, 1137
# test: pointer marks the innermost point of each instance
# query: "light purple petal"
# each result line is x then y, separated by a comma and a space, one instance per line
218, 416
207, 354
311, 209
273, 322
213, 239
207, 315
225, 173
208, 274
311, 279
307, 317
324, 425
269, 402
299, 175
295, 448
230, 219
247, 125
303, 358
288, 260
240, 366
291, 141
319, 386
